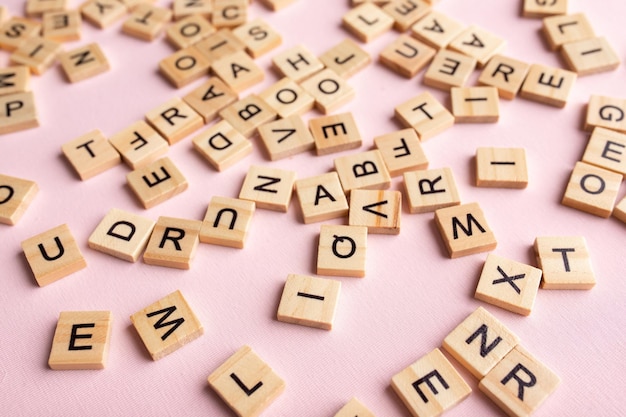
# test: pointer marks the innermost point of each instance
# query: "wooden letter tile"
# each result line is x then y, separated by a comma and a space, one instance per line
139, 144
605, 150
258, 36
335, 133
464, 230
401, 151
229, 13
619, 212
321, 198
367, 22
222, 146
407, 56
81, 340
519, 384
606, 112
534, 8
286, 137
167, 325
17, 112
478, 43
592, 189
84, 62
342, 251
16, 30
103, 13
173, 243
16, 194
508, 284
501, 168
276, 5
480, 342
269, 188
227, 221
174, 120
297, 63
91, 154
309, 301
424, 114
430, 386
329, 90
449, 69
156, 182
363, 170
506, 74
210, 97
406, 13
379, 211
36, 8
287, 98
346, 58
189, 30
53, 255
122, 234
590, 56
238, 71
184, 67
559, 30
220, 44
565, 262
475, 104
246, 383
62, 26
437, 29
548, 85
38, 54
146, 22
15, 79
354, 408
247, 114
185, 8
430, 190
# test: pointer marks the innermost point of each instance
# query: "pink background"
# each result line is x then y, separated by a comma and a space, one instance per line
413, 295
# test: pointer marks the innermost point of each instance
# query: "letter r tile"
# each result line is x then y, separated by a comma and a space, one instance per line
173, 243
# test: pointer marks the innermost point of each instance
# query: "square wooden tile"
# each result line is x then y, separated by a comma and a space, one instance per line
605, 149
174, 120
619, 212
53, 255
132, 5
269, 188
353, 408
321, 198
367, 22
139, 144
506, 74
276, 5
185, 8
286, 137
219, 44
608, 112
246, 383
425, 114
592, 189
238, 71
16, 194
184, 67
520, 383
147, 21
341, 251
464, 230
62, 26
478, 43
156, 182
590, 56
401, 151
406, 13
16, 30
81, 340
379, 211
83, 62
501, 168
309, 301
210, 97
247, 114
534, 8
508, 284
91, 154
166, 325
227, 221
346, 58
406, 56
189, 30
14, 79
221, 145
17, 112
36, 8
430, 190
480, 342
329, 90
548, 85
297, 63
229, 13
475, 104
449, 69
103, 13
287, 98
430, 386
173, 243
437, 29
362, 170
561, 29
565, 262
38, 54
258, 36
122, 234
335, 133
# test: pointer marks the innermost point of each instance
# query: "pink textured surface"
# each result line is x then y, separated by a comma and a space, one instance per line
412, 295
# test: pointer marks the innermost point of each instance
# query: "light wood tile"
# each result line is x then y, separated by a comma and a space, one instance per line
565, 262
227, 222
17, 112
590, 56
548, 85
346, 58
62, 26
449, 69
329, 90
91, 154
16, 30
425, 114
501, 168
84, 62
401, 151
478, 43
354, 408
14, 79
258, 36
592, 189
139, 144
430, 190
210, 97
534, 8
362, 170
321, 198
342, 250
190, 30
276, 5
286, 137
475, 104
247, 114
147, 22
229, 13
174, 120
297, 63
186, 8
173, 243
156, 182
184, 67
437, 29
379, 211
464, 230
238, 71
269, 188
222, 145
406, 13
561, 29
619, 212
604, 150
219, 44
38, 54
367, 22
36, 8
132, 5
506, 74
335, 133
103, 13
407, 56
16, 194
608, 112
287, 98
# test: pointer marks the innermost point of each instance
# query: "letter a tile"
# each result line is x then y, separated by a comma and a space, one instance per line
464, 230
321, 198
309, 301
173, 243
246, 383
166, 325
430, 386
